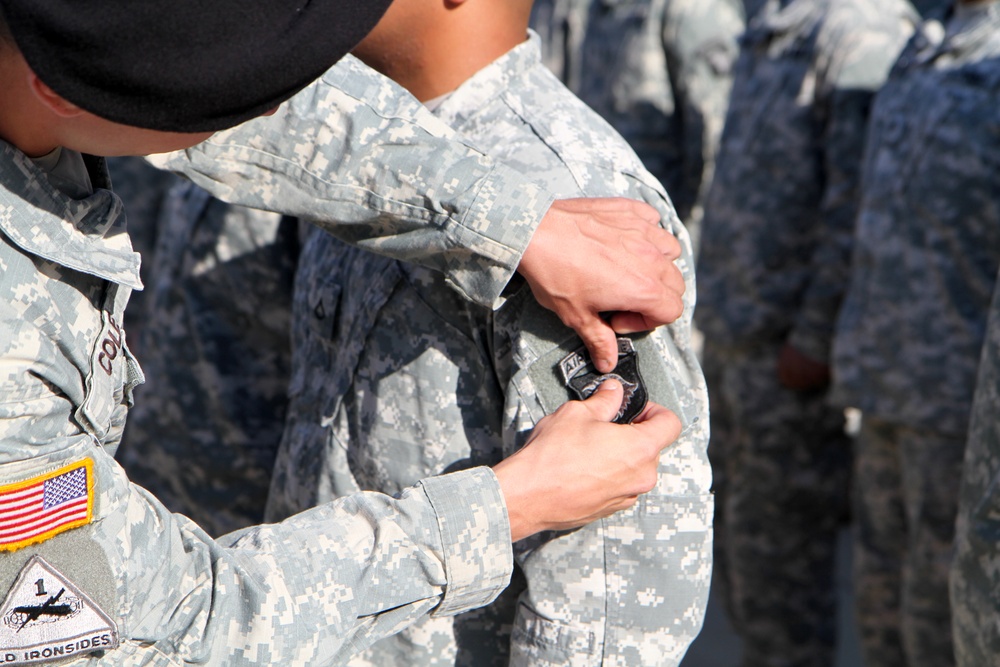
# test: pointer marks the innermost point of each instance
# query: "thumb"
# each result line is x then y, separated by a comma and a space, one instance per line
601, 342
605, 403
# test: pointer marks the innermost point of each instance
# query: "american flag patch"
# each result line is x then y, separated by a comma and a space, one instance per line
36, 509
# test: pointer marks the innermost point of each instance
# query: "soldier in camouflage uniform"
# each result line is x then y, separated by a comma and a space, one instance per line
396, 378
96, 568
216, 355
776, 238
659, 71
927, 250
975, 583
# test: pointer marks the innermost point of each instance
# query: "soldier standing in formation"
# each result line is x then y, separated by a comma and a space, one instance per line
909, 335
396, 378
773, 264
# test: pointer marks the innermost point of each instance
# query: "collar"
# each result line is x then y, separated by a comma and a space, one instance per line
490, 82
965, 31
86, 235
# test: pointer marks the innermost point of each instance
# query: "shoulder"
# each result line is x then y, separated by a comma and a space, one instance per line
859, 41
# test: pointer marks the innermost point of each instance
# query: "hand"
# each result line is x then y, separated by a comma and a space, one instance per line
590, 256
578, 466
801, 373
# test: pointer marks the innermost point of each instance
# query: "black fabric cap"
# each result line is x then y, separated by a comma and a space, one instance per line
185, 65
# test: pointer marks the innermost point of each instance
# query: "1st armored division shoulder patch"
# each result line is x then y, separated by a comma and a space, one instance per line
579, 374
46, 617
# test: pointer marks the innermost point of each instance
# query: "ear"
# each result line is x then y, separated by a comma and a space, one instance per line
51, 99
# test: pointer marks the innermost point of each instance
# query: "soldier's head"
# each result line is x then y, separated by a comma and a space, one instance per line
135, 76
431, 46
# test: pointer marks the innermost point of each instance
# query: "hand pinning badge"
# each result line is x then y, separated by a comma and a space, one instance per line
580, 375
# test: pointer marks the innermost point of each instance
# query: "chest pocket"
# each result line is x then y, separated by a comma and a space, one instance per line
114, 371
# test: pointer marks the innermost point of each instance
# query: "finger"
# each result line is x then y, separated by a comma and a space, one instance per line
606, 401
601, 342
647, 312
659, 424
665, 242
628, 323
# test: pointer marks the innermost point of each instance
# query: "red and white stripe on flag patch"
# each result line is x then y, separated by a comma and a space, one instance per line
36, 509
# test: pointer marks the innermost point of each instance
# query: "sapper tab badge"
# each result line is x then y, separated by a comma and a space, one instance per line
579, 374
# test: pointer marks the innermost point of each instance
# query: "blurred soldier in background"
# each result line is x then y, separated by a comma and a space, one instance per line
659, 71
975, 573
394, 376
908, 340
774, 256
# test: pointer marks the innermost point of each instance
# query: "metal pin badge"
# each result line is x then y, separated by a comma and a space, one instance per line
579, 374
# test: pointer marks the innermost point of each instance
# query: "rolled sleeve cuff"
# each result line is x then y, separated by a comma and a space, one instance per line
498, 224
475, 536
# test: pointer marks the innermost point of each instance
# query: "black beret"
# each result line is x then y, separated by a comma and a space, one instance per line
185, 65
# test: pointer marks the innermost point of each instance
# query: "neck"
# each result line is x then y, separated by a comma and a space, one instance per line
433, 53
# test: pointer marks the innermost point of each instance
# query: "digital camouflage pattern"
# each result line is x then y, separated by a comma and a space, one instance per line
907, 349
216, 350
395, 376
659, 71
975, 572
308, 591
774, 260
217, 354
377, 170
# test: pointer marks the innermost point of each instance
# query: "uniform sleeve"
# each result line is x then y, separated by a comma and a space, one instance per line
366, 161
701, 44
314, 589
862, 70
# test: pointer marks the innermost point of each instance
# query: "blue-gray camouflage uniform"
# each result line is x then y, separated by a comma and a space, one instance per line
927, 250
774, 260
142, 188
396, 377
659, 71
975, 571
121, 573
215, 346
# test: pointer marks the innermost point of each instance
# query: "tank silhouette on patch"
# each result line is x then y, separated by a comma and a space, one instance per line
579, 374
46, 617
